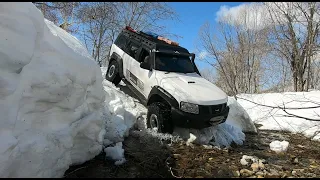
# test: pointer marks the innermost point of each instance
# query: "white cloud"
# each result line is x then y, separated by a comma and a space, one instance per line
256, 16
203, 54
249, 15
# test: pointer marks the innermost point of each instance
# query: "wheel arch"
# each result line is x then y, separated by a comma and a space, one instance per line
118, 59
158, 94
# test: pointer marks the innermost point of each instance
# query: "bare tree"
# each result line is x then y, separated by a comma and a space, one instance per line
237, 55
97, 19
295, 37
103, 21
60, 13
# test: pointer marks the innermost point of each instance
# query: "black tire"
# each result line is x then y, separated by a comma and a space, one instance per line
163, 115
113, 75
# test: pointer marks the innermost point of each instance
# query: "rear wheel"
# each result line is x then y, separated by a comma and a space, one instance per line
159, 118
112, 74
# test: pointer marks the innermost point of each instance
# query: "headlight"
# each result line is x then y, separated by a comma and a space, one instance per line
190, 108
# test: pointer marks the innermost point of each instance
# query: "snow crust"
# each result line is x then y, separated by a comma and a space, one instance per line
296, 103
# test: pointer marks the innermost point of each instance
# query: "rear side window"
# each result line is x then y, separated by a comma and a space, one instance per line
121, 42
133, 48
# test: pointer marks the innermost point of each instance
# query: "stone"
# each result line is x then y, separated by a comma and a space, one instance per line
261, 165
244, 162
299, 170
294, 173
259, 173
296, 160
260, 176
255, 167
246, 172
236, 173
273, 174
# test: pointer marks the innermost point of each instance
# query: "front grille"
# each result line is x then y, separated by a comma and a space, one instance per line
213, 109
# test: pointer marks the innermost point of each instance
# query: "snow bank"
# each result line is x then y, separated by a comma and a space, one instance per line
50, 96
275, 118
120, 115
238, 117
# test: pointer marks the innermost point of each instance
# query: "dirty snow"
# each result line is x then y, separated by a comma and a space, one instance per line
279, 146
275, 118
50, 96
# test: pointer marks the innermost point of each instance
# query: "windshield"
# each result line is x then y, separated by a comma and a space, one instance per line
173, 63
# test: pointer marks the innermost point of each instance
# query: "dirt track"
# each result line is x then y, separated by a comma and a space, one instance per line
148, 157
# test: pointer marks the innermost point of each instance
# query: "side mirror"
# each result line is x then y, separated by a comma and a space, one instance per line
145, 65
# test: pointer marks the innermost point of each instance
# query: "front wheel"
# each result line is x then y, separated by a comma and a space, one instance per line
112, 74
159, 118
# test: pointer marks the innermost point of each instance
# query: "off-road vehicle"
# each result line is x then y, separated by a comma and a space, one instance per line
166, 79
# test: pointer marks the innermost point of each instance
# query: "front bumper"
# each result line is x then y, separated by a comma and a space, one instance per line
198, 121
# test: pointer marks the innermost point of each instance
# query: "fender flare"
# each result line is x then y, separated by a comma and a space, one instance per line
117, 58
158, 91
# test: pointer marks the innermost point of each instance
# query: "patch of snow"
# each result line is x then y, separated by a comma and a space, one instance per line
238, 117
50, 96
116, 153
277, 119
279, 146
244, 159
221, 135
120, 115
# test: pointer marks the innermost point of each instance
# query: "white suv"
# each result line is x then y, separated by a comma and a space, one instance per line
167, 81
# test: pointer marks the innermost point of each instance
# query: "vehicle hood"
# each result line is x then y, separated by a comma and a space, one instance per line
191, 87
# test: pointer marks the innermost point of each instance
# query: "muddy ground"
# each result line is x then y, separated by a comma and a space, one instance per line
147, 157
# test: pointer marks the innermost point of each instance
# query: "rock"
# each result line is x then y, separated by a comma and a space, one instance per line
255, 167
236, 173
311, 175
259, 173
246, 172
293, 173
296, 160
300, 146
261, 165
243, 162
277, 167
298, 170
260, 176
253, 177
273, 174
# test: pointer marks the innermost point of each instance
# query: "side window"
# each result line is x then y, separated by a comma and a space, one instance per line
132, 49
143, 55
121, 42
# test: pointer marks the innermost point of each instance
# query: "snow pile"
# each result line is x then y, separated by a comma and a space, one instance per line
120, 114
238, 117
50, 96
221, 135
279, 146
295, 103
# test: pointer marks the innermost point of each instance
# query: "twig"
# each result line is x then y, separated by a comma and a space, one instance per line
75, 170
170, 168
312, 107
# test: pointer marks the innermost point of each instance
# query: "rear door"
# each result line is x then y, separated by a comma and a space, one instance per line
144, 76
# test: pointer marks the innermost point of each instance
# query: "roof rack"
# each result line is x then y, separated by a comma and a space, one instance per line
150, 36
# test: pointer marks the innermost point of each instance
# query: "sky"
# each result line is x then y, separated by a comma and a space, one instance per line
192, 16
